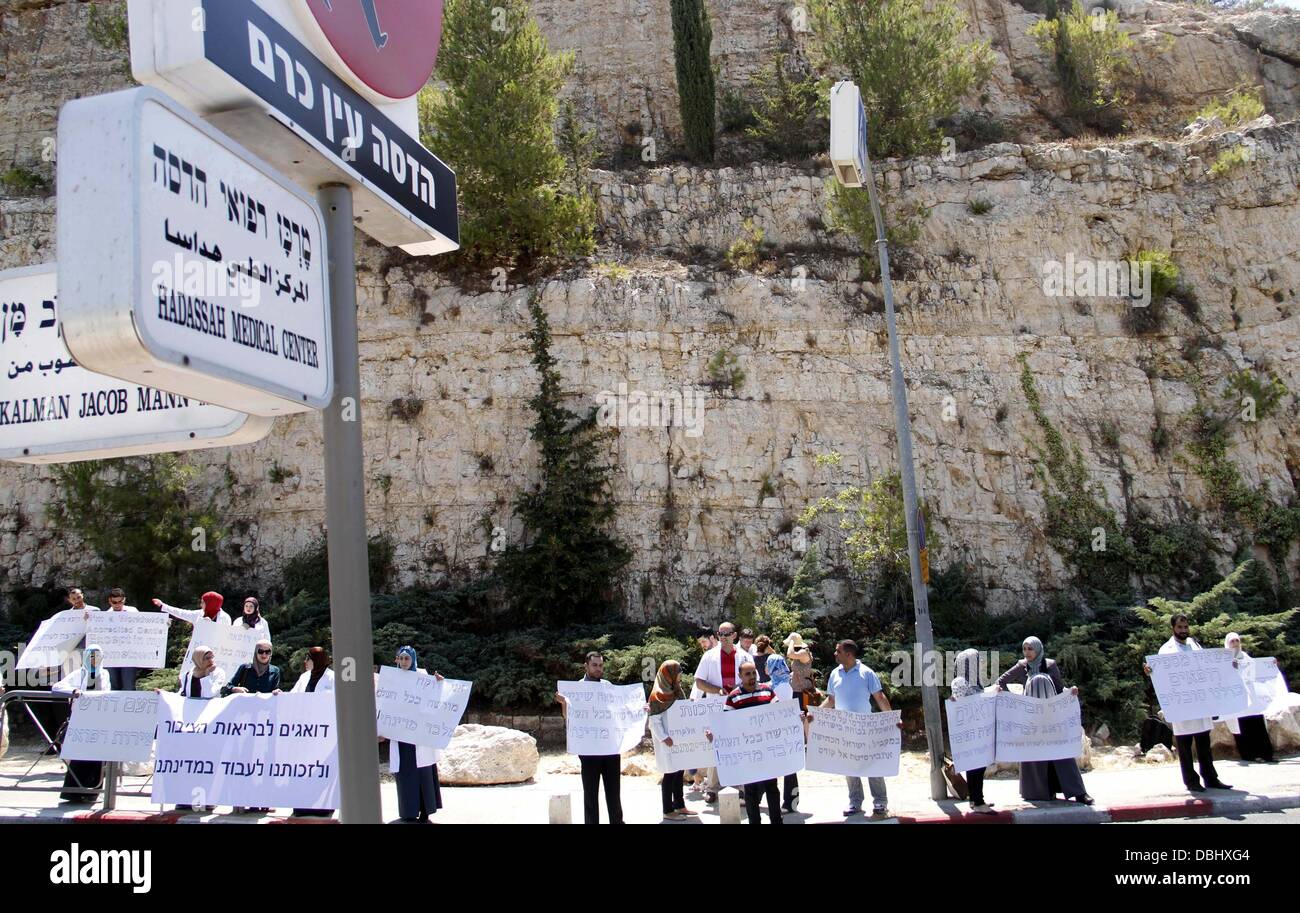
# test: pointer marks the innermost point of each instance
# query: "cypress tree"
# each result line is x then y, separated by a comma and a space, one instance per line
692, 36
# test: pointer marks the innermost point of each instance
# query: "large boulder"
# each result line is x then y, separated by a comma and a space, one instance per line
488, 755
1283, 721
1222, 741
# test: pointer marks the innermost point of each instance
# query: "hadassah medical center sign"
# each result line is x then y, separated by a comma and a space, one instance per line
54, 410
185, 262
325, 92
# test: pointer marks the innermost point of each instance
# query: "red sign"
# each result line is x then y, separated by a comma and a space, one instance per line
390, 46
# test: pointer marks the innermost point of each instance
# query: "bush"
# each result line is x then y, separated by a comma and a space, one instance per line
1090, 63
908, 60
308, 571
1228, 160
790, 114
1240, 107
1164, 272
745, 252
692, 36
494, 124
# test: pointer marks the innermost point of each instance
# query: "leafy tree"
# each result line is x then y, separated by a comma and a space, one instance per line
565, 568
494, 124
692, 35
1091, 54
139, 517
790, 111
907, 58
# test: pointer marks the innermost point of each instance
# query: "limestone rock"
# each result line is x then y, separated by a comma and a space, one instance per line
1283, 721
487, 755
1158, 754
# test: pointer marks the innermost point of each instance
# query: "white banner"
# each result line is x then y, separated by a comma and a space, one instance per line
55, 638
686, 723
232, 645
129, 639
1196, 684
255, 750
603, 719
1264, 682
1038, 729
111, 726
972, 728
758, 743
418, 709
854, 744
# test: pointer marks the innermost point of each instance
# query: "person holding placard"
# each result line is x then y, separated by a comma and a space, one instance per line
753, 693
967, 683
1189, 733
414, 767
717, 676
92, 676
209, 608
778, 676
123, 679
317, 676
667, 691
598, 768
853, 686
1249, 732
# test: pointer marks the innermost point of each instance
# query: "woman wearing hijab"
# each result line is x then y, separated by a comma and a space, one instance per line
257, 677
667, 691
1042, 679
317, 676
252, 617
209, 608
799, 658
415, 767
92, 676
1250, 732
204, 680
967, 683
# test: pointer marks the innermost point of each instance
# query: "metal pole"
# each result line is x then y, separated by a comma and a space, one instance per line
345, 519
903, 428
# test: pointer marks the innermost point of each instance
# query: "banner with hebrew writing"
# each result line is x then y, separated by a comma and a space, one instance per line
259, 750
1196, 684
111, 726
416, 708
854, 744
972, 730
131, 640
758, 743
687, 724
1038, 729
603, 719
55, 639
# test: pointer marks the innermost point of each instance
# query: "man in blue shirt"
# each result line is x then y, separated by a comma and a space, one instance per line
853, 686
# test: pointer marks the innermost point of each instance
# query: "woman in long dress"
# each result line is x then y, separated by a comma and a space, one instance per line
92, 676
1041, 677
1250, 732
415, 767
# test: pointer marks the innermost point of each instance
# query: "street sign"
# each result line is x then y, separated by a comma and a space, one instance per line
247, 67
52, 410
386, 54
187, 264
848, 150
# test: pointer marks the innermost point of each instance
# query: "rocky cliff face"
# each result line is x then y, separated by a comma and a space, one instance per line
713, 502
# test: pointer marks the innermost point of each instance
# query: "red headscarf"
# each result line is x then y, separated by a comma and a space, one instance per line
212, 604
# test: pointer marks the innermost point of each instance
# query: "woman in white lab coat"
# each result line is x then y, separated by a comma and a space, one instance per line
204, 680
92, 676
252, 618
415, 767
317, 676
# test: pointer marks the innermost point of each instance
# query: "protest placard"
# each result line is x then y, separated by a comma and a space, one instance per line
601, 718
854, 744
416, 708
111, 726
972, 730
1037, 729
129, 639
758, 743
1195, 684
1264, 682
55, 639
257, 750
686, 722
232, 645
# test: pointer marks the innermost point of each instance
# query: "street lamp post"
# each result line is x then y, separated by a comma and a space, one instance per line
853, 169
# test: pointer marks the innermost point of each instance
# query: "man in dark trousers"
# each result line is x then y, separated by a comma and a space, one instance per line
1191, 732
595, 768
753, 693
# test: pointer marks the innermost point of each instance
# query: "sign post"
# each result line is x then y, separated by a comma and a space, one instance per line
852, 167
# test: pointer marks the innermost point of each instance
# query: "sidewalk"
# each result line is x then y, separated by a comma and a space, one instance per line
1133, 794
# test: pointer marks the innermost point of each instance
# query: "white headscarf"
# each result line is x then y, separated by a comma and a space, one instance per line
967, 674
1239, 653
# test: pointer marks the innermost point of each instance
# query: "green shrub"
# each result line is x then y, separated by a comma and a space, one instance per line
1264, 391
724, 371
1164, 272
495, 125
979, 206
692, 36
745, 252
1090, 62
24, 180
307, 572
1229, 159
908, 60
1240, 107
791, 110
735, 111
